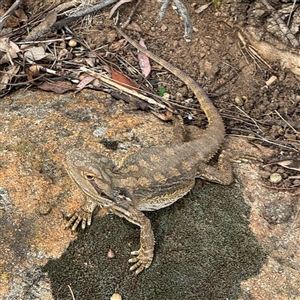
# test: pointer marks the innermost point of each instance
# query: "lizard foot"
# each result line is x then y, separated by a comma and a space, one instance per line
142, 260
79, 216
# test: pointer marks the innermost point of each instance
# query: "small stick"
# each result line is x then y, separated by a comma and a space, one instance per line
122, 88
72, 294
286, 122
9, 12
131, 14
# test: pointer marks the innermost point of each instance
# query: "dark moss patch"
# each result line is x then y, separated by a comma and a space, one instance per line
109, 144
204, 249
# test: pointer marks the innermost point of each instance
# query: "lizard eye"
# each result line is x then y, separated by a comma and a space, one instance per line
89, 176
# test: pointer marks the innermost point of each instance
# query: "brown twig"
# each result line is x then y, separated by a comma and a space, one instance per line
81, 13
125, 24
9, 12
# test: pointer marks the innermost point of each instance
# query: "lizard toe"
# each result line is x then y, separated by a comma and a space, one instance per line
79, 216
142, 260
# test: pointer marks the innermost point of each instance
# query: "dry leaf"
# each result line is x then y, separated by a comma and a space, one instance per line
297, 192
202, 8
6, 77
12, 22
84, 82
91, 61
122, 79
35, 53
10, 49
293, 164
57, 87
144, 61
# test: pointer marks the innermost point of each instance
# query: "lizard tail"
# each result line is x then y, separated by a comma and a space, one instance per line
215, 131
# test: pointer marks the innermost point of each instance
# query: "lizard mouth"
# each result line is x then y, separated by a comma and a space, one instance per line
116, 195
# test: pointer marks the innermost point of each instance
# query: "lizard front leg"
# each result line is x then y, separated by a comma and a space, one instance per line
144, 256
83, 215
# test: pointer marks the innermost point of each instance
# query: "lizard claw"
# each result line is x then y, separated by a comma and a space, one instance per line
142, 260
79, 216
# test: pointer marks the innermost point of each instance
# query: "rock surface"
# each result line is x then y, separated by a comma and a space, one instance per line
36, 194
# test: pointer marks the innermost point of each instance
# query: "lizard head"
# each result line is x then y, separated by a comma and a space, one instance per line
92, 173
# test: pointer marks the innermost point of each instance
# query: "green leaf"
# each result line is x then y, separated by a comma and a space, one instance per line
161, 90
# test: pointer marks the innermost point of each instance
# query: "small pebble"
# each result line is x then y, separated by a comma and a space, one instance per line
271, 80
164, 28
44, 208
166, 96
116, 296
110, 254
238, 101
72, 43
275, 178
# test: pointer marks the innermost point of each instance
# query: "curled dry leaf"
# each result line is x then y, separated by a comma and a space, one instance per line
6, 77
64, 54
117, 45
21, 15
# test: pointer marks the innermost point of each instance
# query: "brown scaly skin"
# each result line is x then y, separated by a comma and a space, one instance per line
152, 178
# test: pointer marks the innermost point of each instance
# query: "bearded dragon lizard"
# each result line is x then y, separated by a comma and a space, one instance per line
152, 178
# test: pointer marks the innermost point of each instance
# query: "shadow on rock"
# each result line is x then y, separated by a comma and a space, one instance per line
204, 250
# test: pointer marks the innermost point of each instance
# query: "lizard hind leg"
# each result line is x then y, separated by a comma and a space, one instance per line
221, 174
